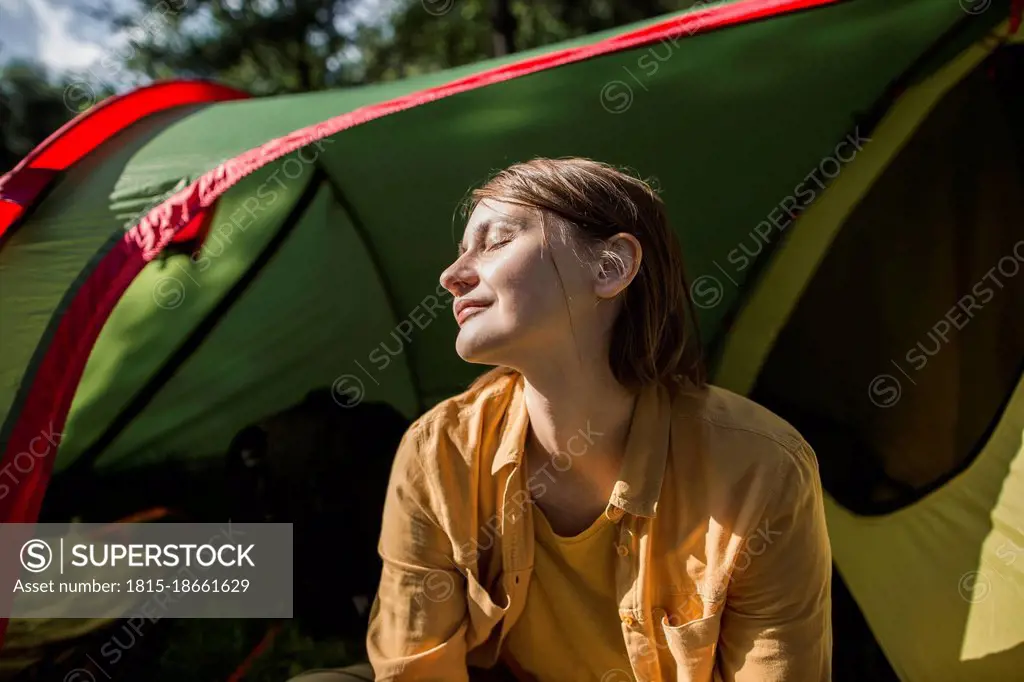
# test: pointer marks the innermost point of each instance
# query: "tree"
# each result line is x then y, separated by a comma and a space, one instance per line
277, 46
503, 22
437, 34
33, 105
265, 47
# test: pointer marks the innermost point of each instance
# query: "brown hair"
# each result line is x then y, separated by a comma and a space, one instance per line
655, 338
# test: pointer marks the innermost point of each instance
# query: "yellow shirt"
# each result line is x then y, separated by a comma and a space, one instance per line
569, 630
720, 526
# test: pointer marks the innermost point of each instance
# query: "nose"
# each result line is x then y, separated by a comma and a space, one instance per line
460, 277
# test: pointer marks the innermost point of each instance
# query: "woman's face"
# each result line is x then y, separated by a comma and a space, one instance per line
509, 304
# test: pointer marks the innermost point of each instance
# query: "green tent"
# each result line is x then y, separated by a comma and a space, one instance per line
846, 178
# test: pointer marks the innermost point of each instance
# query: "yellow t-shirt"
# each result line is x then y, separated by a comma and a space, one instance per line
569, 630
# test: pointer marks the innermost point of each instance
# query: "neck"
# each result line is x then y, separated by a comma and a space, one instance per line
585, 414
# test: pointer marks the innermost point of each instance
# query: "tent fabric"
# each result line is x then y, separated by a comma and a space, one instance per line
23, 184
146, 238
301, 249
942, 582
235, 353
90, 206
455, 123
930, 339
784, 279
924, 471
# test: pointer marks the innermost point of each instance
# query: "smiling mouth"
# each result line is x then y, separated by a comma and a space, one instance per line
469, 311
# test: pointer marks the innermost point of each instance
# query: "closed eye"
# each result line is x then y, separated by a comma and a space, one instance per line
500, 239
493, 235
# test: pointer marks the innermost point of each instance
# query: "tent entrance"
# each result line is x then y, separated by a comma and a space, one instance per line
924, 353
912, 392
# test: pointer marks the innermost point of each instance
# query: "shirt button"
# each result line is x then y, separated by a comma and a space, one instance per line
622, 550
628, 620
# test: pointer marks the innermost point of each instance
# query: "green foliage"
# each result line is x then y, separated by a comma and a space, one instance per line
266, 47
30, 109
33, 105
278, 46
429, 35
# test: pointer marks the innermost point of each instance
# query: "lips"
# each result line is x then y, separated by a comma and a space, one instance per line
466, 308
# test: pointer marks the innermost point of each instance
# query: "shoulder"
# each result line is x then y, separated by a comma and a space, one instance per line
442, 467
448, 437
742, 439
724, 412
455, 418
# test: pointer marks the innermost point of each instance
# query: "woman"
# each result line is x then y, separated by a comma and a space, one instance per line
592, 509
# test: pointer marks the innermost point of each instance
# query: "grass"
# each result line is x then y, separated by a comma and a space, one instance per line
211, 650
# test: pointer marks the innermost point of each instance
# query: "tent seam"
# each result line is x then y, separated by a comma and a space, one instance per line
362, 234
165, 373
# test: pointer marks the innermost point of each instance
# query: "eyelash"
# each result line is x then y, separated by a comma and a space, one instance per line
498, 243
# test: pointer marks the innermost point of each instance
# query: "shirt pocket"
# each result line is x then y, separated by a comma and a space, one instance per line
484, 611
693, 646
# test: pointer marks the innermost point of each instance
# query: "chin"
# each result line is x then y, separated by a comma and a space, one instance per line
479, 347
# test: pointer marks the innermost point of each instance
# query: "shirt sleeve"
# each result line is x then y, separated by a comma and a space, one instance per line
418, 621
777, 623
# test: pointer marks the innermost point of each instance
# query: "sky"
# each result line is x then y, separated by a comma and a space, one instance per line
60, 34
53, 32
63, 37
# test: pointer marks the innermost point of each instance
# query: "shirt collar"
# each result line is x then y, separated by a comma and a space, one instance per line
515, 420
643, 467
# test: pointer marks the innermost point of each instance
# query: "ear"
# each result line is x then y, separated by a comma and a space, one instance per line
618, 262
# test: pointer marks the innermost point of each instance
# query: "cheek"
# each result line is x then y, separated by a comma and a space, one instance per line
526, 288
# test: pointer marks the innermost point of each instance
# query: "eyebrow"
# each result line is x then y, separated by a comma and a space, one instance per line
484, 227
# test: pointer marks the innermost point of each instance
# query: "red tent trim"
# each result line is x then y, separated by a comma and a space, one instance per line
24, 184
155, 230
46, 404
